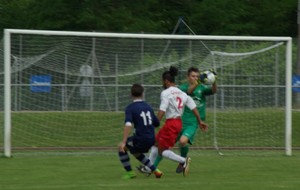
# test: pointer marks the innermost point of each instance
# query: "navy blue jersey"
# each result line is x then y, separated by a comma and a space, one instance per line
142, 117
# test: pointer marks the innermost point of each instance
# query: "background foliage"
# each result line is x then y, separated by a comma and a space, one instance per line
205, 17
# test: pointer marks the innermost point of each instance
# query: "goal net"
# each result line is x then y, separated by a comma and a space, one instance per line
68, 90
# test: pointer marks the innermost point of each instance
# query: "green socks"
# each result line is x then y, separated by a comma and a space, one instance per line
157, 160
184, 151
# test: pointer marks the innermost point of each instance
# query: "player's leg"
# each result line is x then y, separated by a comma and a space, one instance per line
145, 169
184, 149
186, 139
153, 153
169, 154
125, 160
184, 162
141, 147
165, 142
184, 145
161, 144
152, 156
165, 139
186, 166
146, 162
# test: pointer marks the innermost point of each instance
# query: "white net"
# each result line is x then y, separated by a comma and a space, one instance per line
249, 106
69, 92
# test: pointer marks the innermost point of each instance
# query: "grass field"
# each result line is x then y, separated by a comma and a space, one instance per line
66, 170
102, 170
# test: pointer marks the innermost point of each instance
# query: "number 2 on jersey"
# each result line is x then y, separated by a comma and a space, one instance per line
179, 102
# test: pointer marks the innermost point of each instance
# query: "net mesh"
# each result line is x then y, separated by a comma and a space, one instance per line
70, 92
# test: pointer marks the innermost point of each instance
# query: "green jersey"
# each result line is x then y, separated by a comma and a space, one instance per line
199, 96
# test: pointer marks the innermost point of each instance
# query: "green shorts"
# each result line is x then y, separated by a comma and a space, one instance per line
189, 130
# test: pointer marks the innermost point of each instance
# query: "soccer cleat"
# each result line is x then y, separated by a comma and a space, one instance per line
144, 170
158, 173
179, 168
186, 166
129, 175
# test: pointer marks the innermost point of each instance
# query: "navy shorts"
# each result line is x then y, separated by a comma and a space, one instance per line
136, 145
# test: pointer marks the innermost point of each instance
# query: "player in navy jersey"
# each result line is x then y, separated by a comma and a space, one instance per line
140, 116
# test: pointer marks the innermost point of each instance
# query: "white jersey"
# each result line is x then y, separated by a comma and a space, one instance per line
173, 101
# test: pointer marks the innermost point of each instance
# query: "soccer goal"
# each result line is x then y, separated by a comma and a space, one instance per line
67, 91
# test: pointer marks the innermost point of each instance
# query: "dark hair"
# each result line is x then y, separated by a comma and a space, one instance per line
170, 74
192, 69
137, 90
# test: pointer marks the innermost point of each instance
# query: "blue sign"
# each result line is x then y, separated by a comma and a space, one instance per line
40, 83
296, 83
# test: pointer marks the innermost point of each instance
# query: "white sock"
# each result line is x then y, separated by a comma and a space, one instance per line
172, 156
153, 153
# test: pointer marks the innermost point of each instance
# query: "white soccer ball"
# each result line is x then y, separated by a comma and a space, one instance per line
208, 77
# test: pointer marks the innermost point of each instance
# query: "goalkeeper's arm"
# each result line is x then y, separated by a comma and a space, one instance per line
214, 85
203, 126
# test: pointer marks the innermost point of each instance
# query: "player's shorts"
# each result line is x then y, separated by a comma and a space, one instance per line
167, 135
189, 130
136, 145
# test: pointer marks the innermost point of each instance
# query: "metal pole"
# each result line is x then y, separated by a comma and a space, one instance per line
7, 94
288, 99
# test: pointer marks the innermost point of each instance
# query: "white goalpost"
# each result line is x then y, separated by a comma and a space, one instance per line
67, 90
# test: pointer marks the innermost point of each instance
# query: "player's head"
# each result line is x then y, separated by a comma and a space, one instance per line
137, 90
168, 77
193, 74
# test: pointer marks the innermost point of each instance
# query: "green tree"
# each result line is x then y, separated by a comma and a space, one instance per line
205, 17
13, 13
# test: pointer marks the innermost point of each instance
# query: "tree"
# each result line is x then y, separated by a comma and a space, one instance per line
219, 17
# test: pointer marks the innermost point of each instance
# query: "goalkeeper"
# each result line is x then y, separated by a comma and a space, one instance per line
198, 91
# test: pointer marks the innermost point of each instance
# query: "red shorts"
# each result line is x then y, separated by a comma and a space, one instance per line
167, 135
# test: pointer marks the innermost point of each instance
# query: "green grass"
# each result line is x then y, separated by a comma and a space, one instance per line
103, 170
30, 170
95, 129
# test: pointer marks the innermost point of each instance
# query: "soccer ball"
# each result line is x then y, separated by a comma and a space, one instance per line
207, 77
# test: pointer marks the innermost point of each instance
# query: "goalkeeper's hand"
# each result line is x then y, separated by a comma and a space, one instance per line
214, 72
202, 78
